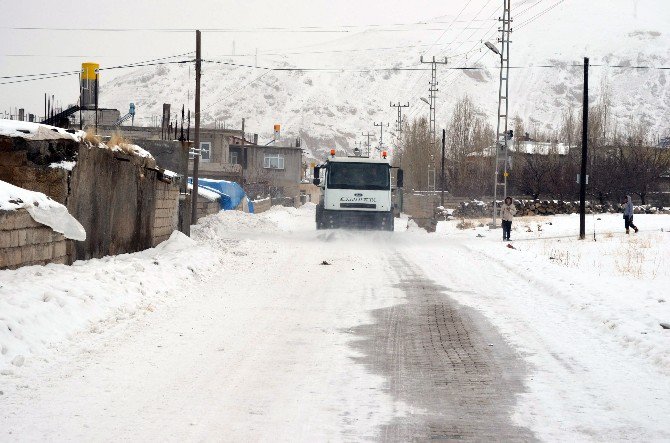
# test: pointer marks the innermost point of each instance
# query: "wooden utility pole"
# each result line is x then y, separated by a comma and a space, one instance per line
585, 147
196, 138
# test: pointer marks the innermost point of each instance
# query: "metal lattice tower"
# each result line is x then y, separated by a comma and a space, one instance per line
432, 96
501, 152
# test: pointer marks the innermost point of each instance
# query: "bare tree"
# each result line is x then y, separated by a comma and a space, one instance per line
416, 154
468, 138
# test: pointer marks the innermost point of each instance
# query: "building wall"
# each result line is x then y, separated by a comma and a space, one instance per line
24, 242
216, 168
286, 180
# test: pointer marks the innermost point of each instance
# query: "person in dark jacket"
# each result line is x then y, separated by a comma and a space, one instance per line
628, 214
507, 212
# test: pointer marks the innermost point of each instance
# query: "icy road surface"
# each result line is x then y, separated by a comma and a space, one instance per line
290, 334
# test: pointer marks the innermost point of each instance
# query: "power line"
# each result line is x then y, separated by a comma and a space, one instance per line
535, 17
43, 76
333, 29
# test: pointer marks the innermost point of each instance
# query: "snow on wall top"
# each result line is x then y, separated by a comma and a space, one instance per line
42, 209
129, 149
39, 131
36, 131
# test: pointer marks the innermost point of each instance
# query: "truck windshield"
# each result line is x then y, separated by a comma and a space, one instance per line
371, 176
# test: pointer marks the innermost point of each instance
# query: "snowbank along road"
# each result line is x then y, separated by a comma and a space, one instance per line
263, 329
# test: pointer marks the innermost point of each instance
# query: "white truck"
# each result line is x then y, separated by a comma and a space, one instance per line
355, 192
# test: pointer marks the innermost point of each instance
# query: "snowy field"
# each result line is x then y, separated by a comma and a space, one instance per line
242, 333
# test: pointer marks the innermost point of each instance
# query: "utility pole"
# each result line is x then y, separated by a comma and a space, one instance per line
399, 121
368, 135
585, 148
381, 134
432, 91
196, 157
501, 153
444, 136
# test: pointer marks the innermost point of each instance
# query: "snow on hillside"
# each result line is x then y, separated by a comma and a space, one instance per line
331, 108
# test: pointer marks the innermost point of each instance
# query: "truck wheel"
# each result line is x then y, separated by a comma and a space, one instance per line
389, 222
319, 217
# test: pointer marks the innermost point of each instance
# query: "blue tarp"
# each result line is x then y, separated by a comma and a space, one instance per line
231, 193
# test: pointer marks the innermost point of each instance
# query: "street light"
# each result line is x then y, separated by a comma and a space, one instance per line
426, 101
493, 48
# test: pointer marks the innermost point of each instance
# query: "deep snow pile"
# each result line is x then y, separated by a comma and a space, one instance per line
44, 307
42, 209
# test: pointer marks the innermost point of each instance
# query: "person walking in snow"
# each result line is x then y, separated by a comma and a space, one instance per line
628, 214
507, 212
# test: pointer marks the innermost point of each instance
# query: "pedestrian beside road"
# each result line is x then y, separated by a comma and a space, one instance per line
507, 212
628, 214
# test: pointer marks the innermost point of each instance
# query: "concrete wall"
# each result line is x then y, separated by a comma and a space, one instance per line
120, 200
172, 155
262, 205
24, 242
312, 192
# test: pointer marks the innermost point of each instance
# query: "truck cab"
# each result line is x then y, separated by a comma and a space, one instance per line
356, 193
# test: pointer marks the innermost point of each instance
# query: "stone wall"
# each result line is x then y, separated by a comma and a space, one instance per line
166, 212
479, 209
207, 207
24, 242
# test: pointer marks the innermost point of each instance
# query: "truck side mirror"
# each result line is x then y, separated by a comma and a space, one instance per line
317, 180
400, 178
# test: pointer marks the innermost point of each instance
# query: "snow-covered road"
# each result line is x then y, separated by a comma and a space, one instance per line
289, 334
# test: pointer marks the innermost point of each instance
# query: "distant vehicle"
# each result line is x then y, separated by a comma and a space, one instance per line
356, 192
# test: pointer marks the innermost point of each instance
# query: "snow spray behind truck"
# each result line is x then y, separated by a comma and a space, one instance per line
356, 192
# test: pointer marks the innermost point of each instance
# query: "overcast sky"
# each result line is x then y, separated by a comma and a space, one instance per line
42, 51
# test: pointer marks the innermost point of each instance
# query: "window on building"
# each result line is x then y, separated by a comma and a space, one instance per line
273, 161
232, 158
205, 151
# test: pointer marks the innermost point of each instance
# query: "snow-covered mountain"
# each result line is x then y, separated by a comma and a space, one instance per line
331, 108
